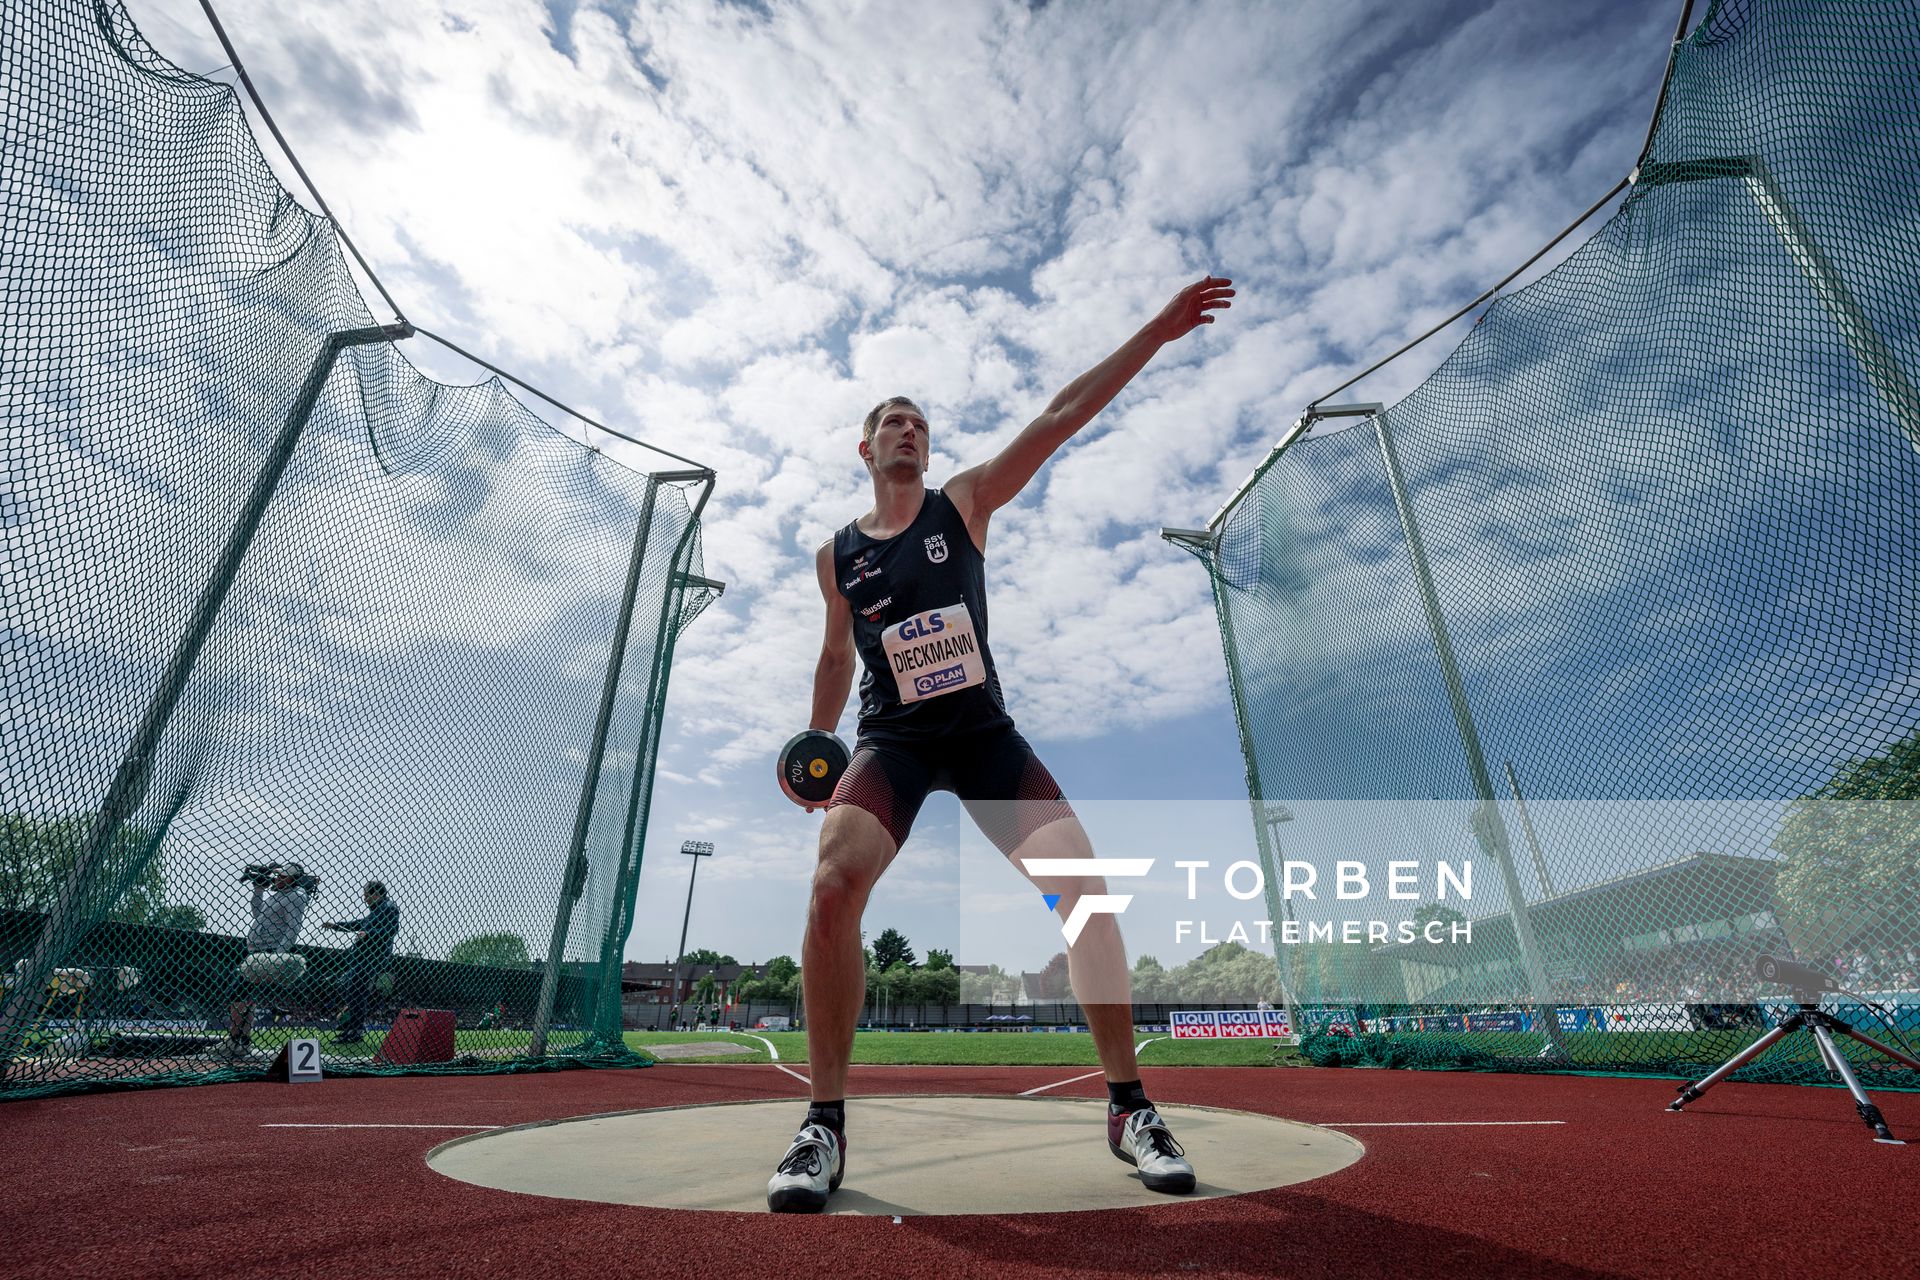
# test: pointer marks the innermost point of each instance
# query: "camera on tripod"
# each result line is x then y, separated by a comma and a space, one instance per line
1803, 978
1808, 983
266, 872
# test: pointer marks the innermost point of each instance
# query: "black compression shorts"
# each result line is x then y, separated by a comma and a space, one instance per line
1001, 782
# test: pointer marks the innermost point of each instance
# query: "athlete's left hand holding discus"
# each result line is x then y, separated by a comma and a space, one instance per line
906, 605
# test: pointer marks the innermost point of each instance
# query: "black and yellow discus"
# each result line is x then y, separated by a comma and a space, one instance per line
810, 767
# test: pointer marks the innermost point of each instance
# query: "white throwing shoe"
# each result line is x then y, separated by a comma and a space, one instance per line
809, 1172
1142, 1139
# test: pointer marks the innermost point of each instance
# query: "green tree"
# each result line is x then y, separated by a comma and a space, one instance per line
891, 948
895, 980
704, 990
1850, 868
1228, 973
777, 980
179, 916
1053, 982
995, 986
706, 955
934, 986
781, 969
1149, 980
36, 855
938, 959
1432, 911
494, 950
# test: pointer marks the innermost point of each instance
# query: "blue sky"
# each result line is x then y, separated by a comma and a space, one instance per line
731, 229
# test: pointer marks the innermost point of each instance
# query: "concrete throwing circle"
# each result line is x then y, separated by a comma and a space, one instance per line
906, 1155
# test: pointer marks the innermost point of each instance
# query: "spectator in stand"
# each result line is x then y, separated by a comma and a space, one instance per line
367, 958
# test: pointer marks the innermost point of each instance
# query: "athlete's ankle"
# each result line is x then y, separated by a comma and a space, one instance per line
831, 1114
1124, 1097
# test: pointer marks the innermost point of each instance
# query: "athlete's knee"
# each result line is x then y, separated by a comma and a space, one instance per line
851, 858
838, 893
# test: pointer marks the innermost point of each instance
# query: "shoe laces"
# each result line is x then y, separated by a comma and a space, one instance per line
1159, 1136
803, 1156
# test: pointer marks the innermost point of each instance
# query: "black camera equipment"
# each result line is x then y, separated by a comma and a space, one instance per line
1791, 973
1807, 983
265, 872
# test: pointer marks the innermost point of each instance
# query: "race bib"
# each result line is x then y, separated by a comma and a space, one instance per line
934, 652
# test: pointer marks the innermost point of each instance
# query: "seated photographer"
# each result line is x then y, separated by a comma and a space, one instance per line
372, 948
280, 895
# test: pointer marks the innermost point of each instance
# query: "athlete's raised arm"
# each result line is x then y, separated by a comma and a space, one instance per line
980, 491
833, 676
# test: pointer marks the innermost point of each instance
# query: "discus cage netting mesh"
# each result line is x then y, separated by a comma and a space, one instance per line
272, 596
1662, 503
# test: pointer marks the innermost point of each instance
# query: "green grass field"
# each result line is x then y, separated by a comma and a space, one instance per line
981, 1049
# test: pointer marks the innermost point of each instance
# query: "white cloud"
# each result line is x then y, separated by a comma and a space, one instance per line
732, 233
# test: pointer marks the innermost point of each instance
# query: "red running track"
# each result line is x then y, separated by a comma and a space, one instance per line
1753, 1180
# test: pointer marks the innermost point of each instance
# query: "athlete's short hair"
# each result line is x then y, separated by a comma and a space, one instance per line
879, 411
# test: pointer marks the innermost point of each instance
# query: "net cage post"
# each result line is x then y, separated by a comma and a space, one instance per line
1489, 827
128, 789
1275, 866
1876, 359
640, 803
573, 878
1204, 544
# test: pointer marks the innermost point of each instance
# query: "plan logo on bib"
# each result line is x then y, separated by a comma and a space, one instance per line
937, 548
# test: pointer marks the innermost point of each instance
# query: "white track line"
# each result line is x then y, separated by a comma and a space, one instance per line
775, 1053
1420, 1124
747, 1035
771, 1052
379, 1126
1090, 1075
1057, 1083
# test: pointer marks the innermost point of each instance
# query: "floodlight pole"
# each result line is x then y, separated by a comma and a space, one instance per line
1877, 360
1533, 840
1489, 827
695, 849
573, 878
128, 789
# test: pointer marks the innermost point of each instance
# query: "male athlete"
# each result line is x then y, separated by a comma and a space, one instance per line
905, 587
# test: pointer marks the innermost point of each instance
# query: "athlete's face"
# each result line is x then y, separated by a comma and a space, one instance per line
899, 444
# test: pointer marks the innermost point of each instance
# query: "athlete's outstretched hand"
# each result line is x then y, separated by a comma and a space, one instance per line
1189, 308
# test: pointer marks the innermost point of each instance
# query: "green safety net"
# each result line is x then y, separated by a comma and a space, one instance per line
271, 596
1624, 599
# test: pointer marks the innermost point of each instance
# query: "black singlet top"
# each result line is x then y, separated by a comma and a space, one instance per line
919, 602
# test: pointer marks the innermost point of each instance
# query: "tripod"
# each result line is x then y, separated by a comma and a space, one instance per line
1822, 1025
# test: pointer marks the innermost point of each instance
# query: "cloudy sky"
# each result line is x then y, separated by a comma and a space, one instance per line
731, 229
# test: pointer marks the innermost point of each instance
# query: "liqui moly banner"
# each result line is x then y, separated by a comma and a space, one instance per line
1229, 1024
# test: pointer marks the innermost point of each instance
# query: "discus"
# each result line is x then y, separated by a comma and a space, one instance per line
810, 767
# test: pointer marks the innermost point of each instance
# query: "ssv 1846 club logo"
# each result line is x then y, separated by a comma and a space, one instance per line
1087, 905
937, 548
